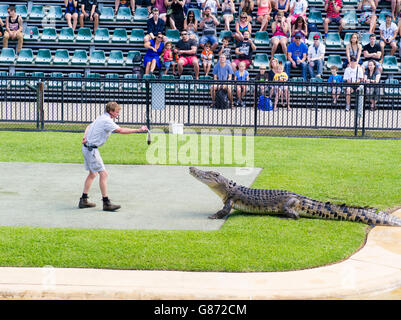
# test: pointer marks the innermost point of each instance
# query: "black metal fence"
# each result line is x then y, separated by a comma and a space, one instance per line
297, 108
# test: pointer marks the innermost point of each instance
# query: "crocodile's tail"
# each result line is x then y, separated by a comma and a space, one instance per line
326, 210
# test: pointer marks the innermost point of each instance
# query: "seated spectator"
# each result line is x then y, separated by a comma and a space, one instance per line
152, 56
214, 6
89, 10
71, 13
247, 6
228, 10
159, 4
368, 16
168, 59
333, 9
388, 33
297, 9
263, 14
176, 18
372, 75
241, 75
244, 51
141, 4
14, 25
1, 28
273, 65
280, 5
242, 25
280, 28
372, 51
353, 74
186, 50
207, 58
189, 5
353, 50
191, 25
155, 25
226, 49
124, 3
296, 56
335, 78
208, 24
316, 53
222, 71
281, 91
301, 27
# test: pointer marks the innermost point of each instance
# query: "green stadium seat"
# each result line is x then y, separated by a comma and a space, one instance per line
3, 11
102, 35
351, 20
186, 86
141, 14
61, 57
55, 84
392, 91
281, 58
130, 85
74, 84
173, 35
93, 84
124, 14
3, 82
298, 88
32, 37
84, 35
7, 55
205, 87
390, 64
197, 13
37, 12
97, 57
21, 10
350, 2
333, 40
112, 85
80, 57
365, 38
116, 58
130, 58
313, 88
334, 60
25, 56
18, 83
225, 34
119, 36
315, 2
347, 38
137, 36
106, 14
262, 38
169, 78
261, 59
49, 34
315, 17
66, 35
37, 75
43, 56
54, 13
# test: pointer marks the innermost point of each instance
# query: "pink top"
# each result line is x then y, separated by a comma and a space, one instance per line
159, 4
279, 31
168, 55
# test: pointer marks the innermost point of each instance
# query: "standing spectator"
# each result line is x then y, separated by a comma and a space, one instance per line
124, 3
14, 25
242, 25
353, 74
281, 91
335, 78
300, 27
280, 28
281, 5
155, 25
316, 53
395, 6
159, 4
214, 5
222, 71
263, 14
388, 33
176, 18
372, 51
228, 10
208, 24
226, 49
141, 4
353, 50
372, 75
207, 58
152, 55
191, 25
247, 7
244, 51
89, 9
333, 9
186, 50
297, 9
297, 54
71, 13
241, 75
368, 16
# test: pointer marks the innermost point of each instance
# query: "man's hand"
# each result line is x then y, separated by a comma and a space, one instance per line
84, 140
144, 129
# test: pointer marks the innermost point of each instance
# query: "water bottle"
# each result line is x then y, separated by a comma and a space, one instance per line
31, 33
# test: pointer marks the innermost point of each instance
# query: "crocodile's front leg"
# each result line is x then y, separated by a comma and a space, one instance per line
223, 212
289, 208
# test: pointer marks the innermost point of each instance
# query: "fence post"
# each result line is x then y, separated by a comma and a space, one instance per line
147, 101
255, 105
356, 111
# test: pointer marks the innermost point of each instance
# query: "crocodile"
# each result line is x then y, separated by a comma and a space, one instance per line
287, 203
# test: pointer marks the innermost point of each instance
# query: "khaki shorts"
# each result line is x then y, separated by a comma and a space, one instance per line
92, 160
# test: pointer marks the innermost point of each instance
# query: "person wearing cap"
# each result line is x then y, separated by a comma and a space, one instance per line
316, 53
296, 56
333, 9
352, 74
388, 33
372, 51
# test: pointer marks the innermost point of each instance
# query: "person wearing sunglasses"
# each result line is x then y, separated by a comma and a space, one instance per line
241, 26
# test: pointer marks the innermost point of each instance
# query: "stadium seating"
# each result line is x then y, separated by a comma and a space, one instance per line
61, 57
112, 85
66, 35
130, 57
262, 38
21, 10
43, 56
18, 83
3, 82
281, 58
93, 84
31, 33
79, 57
74, 84
173, 36
106, 14
55, 84
84, 35
116, 58
335, 60
170, 86
392, 91
25, 56
124, 14
55, 13
97, 57
49, 34
3, 11
130, 85
119, 36
7, 55
225, 34
102, 35
37, 12
137, 36
141, 14
315, 17
390, 64
333, 39
261, 59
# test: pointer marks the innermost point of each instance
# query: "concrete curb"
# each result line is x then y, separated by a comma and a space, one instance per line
375, 268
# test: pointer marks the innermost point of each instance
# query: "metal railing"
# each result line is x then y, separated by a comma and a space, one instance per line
69, 104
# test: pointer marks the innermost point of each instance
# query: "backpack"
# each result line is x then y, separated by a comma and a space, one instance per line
312, 27
138, 71
265, 104
222, 101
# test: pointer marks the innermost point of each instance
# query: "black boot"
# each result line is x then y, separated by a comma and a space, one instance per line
108, 206
84, 203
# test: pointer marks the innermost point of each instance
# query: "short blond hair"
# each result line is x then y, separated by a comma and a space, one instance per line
112, 106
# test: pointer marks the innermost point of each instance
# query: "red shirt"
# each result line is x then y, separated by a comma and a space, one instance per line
330, 9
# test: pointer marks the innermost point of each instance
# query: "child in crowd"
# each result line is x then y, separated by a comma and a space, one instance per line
281, 90
207, 58
335, 78
167, 57
225, 49
241, 75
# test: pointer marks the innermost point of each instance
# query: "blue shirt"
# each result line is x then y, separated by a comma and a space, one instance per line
222, 72
337, 78
243, 77
297, 51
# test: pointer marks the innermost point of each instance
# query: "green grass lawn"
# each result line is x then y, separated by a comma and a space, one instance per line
357, 172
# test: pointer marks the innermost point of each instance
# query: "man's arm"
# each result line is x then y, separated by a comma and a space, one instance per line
129, 130
85, 133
